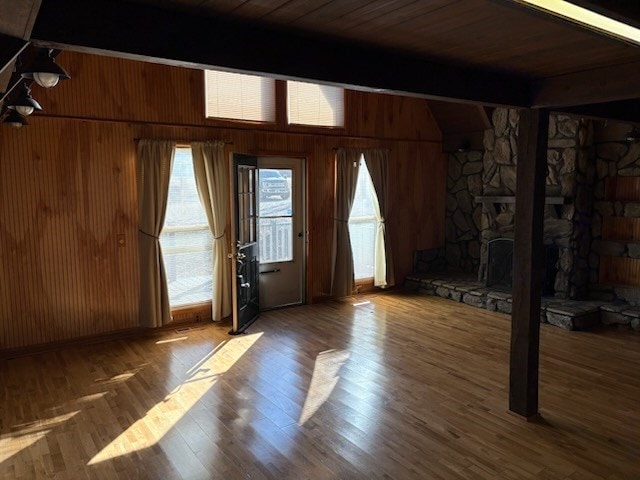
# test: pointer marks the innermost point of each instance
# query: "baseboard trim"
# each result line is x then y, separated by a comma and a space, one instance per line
136, 332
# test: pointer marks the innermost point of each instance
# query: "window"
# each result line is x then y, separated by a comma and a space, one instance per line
312, 104
186, 239
275, 212
236, 96
363, 224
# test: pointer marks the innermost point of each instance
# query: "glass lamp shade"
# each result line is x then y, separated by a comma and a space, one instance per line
15, 119
45, 71
24, 110
24, 103
46, 79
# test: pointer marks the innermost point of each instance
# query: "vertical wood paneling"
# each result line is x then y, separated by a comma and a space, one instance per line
621, 228
66, 193
619, 271
68, 189
625, 189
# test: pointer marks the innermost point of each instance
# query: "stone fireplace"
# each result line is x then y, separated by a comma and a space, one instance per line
481, 201
591, 224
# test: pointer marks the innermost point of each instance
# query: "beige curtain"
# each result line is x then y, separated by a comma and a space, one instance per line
378, 165
212, 171
155, 158
347, 166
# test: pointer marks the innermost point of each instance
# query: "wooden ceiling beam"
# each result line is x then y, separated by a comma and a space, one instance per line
609, 84
10, 48
627, 111
148, 33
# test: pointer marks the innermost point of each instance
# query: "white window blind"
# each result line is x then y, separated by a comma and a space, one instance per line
186, 239
312, 104
237, 96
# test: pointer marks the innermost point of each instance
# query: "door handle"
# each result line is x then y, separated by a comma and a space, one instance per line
270, 271
245, 285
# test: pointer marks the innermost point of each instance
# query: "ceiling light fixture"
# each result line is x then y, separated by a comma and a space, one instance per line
14, 119
45, 71
586, 17
24, 103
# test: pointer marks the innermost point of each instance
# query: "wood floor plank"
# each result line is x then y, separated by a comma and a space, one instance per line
389, 386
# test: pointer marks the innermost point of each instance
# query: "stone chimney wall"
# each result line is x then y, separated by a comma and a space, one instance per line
571, 169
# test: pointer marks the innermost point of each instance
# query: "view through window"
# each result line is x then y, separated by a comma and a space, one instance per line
275, 212
362, 225
186, 239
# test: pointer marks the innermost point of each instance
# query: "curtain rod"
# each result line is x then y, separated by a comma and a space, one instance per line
182, 141
226, 142
359, 148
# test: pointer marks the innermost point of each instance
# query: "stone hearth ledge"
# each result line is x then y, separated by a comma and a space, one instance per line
567, 314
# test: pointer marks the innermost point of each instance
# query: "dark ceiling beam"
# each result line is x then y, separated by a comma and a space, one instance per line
148, 33
627, 111
610, 84
10, 48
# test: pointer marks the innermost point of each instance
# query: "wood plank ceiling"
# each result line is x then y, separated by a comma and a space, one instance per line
486, 52
501, 35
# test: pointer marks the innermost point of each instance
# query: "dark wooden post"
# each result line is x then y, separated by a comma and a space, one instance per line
528, 261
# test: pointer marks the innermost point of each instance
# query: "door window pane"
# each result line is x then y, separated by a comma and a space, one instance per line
276, 210
362, 226
186, 239
276, 239
275, 192
246, 206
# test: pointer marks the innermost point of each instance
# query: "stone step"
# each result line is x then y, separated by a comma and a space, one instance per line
567, 314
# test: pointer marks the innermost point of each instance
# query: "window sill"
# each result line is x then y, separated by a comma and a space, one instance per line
200, 312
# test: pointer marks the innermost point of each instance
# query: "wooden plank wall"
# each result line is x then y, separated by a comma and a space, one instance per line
621, 270
68, 188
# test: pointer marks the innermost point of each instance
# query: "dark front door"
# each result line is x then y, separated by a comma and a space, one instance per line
245, 258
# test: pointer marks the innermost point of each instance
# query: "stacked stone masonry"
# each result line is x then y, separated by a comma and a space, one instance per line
578, 171
471, 225
567, 314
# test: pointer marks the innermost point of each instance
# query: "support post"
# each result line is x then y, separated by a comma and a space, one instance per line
528, 261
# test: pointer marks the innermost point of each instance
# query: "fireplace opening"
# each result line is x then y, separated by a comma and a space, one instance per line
500, 266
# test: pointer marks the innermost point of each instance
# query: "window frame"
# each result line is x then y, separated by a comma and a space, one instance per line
193, 310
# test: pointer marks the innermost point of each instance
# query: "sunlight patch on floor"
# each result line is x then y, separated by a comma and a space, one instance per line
324, 379
21, 438
160, 419
171, 340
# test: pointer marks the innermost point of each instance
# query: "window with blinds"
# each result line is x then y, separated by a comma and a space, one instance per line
186, 239
236, 96
312, 104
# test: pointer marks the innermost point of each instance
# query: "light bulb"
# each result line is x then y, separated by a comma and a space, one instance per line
15, 124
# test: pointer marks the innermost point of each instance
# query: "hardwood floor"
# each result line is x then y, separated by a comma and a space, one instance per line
384, 386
